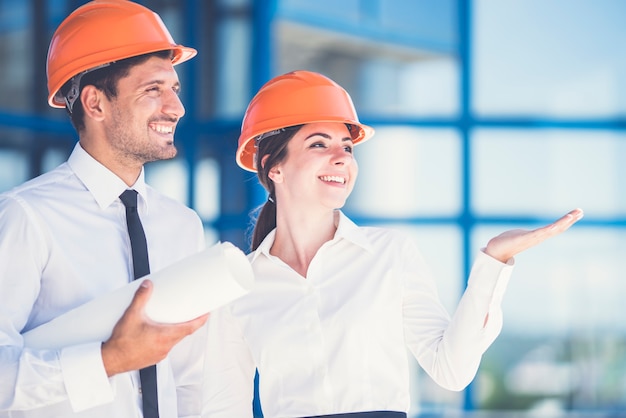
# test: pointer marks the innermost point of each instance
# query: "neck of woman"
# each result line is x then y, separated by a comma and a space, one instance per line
299, 235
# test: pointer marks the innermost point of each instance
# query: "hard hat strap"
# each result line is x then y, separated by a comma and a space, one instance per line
268, 134
352, 128
74, 91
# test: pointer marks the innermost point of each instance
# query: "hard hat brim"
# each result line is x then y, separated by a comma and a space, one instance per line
246, 155
181, 54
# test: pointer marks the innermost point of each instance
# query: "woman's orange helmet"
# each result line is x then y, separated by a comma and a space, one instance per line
296, 98
101, 32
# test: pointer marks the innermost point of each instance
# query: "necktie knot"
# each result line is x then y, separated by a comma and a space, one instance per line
129, 198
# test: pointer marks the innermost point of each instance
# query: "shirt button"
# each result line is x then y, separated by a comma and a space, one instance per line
140, 391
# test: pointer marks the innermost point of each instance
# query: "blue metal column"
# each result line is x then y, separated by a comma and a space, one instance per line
467, 219
263, 14
192, 73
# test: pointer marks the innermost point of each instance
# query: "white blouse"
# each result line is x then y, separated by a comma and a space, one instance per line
335, 341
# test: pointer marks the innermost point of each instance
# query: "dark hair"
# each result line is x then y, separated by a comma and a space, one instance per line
106, 79
275, 148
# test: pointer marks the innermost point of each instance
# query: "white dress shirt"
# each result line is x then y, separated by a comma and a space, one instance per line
63, 242
335, 341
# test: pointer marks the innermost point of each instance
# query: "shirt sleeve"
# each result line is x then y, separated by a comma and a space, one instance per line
187, 360
229, 369
448, 348
32, 378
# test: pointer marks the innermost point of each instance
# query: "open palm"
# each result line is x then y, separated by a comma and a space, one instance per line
510, 243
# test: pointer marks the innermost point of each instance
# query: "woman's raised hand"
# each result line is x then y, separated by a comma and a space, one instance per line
510, 243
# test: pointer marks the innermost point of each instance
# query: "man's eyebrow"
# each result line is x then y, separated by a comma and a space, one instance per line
159, 82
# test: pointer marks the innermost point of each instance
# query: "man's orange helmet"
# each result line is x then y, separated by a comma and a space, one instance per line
101, 32
296, 98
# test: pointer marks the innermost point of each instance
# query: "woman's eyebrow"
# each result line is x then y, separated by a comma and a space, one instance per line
324, 135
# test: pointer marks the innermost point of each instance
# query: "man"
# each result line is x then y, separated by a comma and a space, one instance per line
64, 238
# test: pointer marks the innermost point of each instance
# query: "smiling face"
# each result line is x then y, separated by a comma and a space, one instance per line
319, 169
144, 114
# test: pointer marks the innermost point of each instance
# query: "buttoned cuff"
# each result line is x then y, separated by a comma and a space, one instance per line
490, 277
86, 381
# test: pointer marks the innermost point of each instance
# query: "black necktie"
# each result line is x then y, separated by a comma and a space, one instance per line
141, 267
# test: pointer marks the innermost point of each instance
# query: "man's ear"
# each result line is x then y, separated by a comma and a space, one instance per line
91, 99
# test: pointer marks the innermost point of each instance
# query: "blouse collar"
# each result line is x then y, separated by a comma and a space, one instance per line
346, 230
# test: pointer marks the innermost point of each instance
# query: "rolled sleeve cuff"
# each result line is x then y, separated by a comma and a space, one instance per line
86, 381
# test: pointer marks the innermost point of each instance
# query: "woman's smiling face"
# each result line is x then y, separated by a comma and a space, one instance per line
319, 168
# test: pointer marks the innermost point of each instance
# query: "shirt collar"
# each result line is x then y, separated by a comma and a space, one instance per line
346, 229
265, 246
103, 184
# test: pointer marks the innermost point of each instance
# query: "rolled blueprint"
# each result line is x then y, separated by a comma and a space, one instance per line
185, 290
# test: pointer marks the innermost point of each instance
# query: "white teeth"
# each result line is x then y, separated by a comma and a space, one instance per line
163, 129
335, 179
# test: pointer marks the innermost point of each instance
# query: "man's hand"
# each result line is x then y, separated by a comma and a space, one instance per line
137, 342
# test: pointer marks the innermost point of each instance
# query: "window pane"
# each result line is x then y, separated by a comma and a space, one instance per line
329, 9
170, 177
15, 43
560, 58
232, 64
207, 192
408, 172
234, 3
382, 79
423, 24
211, 236
421, 87
563, 337
582, 267
541, 172
13, 168
52, 158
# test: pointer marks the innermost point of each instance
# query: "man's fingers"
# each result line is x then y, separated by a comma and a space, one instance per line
196, 323
185, 328
140, 299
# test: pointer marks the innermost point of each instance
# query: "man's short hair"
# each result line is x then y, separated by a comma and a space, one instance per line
106, 79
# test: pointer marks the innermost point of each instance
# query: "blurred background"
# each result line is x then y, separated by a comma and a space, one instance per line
490, 115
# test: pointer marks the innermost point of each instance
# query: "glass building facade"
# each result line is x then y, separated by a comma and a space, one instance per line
489, 115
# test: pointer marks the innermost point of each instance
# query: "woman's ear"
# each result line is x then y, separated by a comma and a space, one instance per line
275, 174
91, 99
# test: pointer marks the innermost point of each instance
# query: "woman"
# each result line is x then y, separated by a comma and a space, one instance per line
335, 305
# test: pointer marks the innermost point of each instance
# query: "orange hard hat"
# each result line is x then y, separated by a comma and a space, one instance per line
101, 32
296, 98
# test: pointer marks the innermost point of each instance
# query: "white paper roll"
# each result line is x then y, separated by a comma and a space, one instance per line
185, 290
